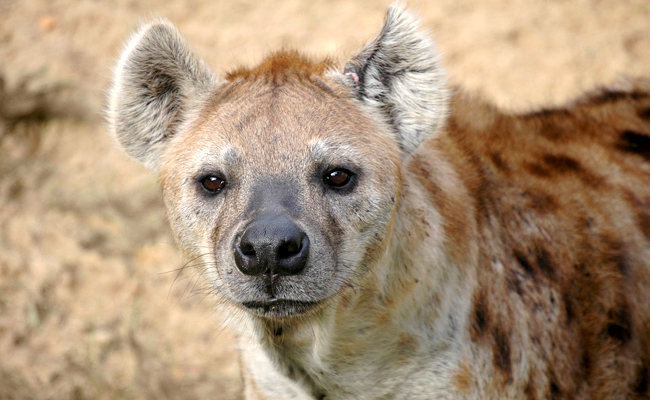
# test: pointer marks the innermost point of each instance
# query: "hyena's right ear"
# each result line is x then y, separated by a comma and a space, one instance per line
398, 74
156, 81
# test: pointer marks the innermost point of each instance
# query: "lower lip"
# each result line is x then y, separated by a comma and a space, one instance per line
279, 308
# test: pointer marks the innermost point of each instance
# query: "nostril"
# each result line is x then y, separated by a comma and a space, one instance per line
246, 259
290, 248
292, 256
247, 249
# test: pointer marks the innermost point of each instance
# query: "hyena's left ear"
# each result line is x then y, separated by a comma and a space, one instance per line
399, 75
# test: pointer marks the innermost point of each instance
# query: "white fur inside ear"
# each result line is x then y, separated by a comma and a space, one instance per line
156, 81
399, 74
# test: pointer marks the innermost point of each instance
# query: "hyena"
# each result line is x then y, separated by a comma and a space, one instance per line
377, 234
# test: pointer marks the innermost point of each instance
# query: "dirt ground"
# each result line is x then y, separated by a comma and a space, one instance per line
90, 303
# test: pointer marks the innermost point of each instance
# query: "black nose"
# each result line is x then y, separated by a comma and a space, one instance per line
272, 245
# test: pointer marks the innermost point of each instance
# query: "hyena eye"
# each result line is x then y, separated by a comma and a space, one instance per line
213, 184
338, 178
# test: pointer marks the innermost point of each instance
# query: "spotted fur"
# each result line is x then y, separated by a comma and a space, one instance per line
477, 254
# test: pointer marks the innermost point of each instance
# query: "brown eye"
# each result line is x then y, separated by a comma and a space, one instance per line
338, 178
213, 184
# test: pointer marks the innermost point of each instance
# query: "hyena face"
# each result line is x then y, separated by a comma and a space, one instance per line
278, 187
282, 179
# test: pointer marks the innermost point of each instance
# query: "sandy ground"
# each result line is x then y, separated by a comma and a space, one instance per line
90, 307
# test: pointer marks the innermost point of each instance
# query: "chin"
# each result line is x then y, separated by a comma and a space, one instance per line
278, 309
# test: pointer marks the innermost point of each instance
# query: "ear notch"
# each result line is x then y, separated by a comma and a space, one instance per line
399, 75
157, 81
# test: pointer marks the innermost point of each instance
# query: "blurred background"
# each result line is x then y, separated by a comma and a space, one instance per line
91, 303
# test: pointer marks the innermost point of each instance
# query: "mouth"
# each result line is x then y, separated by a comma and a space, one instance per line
281, 308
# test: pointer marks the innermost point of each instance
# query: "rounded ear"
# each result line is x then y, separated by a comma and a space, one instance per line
157, 80
399, 75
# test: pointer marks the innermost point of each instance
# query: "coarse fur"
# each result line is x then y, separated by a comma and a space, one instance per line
473, 253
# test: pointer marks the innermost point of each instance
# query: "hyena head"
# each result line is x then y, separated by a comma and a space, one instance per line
283, 179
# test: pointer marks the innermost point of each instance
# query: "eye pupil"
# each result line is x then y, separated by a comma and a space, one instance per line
213, 184
337, 178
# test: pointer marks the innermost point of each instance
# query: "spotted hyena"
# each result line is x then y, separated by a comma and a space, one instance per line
379, 235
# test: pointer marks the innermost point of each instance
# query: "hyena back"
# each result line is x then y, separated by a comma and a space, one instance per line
377, 235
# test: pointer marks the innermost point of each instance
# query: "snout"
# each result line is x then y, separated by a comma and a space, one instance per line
285, 269
271, 246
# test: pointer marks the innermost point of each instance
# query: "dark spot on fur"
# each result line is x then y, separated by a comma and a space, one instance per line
634, 142
643, 219
586, 362
562, 164
545, 264
540, 201
502, 352
641, 386
278, 331
546, 113
499, 163
529, 391
553, 165
523, 261
554, 390
619, 327
582, 269
481, 316
644, 113
537, 170
541, 262
622, 264
607, 96
569, 307
483, 201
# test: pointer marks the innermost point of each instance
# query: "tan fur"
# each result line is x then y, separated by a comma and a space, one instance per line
477, 255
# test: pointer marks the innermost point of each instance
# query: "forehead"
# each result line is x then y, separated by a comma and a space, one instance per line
286, 96
290, 119
269, 111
